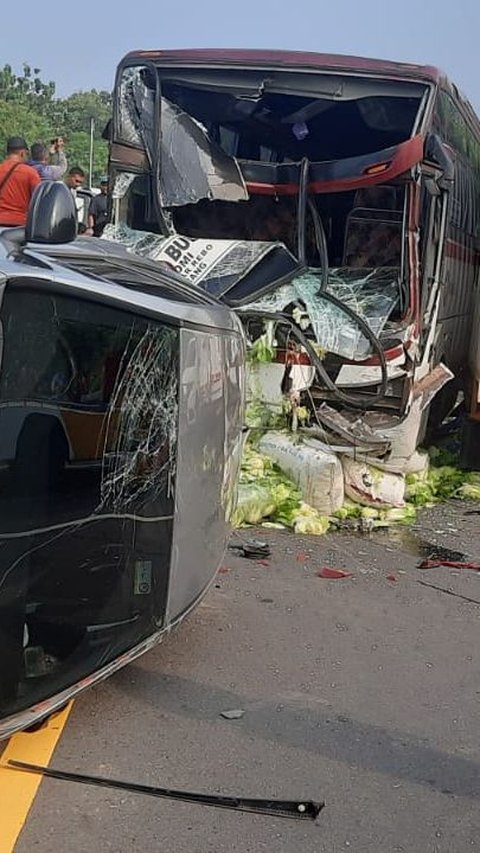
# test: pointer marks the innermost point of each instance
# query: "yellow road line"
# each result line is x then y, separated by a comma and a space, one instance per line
17, 788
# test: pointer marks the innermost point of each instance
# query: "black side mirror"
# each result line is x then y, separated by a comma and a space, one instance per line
52, 217
435, 152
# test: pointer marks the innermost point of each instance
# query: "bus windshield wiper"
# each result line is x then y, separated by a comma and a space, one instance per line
303, 809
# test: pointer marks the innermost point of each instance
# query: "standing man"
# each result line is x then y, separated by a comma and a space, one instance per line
98, 210
41, 162
17, 183
74, 180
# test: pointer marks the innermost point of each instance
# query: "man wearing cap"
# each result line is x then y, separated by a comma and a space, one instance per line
17, 183
98, 210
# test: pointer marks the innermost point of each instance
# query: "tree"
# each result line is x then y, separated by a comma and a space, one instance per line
29, 108
77, 150
79, 110
81, 107
16, 119
27, 89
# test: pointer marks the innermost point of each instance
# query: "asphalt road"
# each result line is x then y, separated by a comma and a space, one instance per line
364, 692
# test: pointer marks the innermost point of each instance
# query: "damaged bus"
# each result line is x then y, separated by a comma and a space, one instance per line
121, 416
334, 197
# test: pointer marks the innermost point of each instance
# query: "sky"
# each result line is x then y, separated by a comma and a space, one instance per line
79, 45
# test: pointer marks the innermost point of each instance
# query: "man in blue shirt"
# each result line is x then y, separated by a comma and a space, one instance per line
50, 168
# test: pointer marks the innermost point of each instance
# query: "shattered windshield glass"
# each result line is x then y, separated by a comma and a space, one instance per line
137, 106
372, 294
215, 265
123, 182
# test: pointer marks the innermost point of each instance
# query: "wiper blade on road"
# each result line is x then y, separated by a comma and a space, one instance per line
300, 810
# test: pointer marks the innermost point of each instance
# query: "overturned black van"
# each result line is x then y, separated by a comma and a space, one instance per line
121, 394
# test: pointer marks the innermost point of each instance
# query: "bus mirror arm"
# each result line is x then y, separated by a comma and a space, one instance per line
436, 152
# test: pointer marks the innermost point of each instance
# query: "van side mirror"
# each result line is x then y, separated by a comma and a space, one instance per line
52, 217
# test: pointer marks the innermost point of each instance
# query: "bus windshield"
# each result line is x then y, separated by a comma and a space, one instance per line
227, 154
229, 144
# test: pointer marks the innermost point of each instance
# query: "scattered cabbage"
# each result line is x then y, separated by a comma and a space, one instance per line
268, 497
309, 524
261, 351
302, 413
419, 491
445, 481
254, 465
254, 503
349, 510
436, 484
399, 515
470, 489
370, 512
265, 493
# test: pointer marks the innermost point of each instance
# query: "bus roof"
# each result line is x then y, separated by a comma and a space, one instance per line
289, 59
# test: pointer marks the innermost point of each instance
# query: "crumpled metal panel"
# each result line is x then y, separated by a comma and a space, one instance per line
372, 295
215, 264
192, 167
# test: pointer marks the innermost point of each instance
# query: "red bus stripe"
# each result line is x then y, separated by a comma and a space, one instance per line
461, 252
408, 154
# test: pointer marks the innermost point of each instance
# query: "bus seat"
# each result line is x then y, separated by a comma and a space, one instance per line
373, 238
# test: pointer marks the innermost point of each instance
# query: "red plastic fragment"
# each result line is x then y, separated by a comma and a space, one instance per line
392, 578
302, 556
450, 564
263, 562
333, 574
223, 570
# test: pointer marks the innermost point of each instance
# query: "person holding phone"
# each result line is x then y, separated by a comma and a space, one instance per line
51, 164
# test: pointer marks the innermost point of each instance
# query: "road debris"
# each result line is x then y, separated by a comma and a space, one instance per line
279, 485
302, 557
333, 574
449, 564
251, 549
265, 492
305, 809
235, 714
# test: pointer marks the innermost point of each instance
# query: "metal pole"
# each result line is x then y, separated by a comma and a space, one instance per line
92, 128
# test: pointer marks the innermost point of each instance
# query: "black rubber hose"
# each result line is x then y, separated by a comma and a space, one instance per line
353, 400
321, 242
